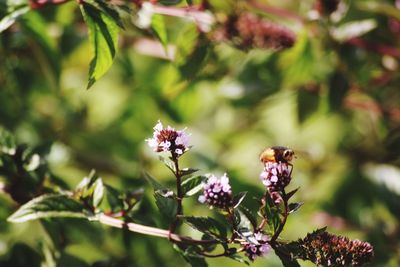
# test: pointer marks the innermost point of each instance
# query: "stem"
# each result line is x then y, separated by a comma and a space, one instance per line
264, 219
148, 230
283, 221
179, 197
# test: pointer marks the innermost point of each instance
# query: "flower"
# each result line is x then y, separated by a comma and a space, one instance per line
145, 15
217, 192
276, 176
168, 139
325, 249
253, 251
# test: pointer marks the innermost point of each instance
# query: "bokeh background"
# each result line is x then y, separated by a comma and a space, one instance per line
334, 97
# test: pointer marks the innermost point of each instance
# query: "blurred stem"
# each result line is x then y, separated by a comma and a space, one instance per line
148, 230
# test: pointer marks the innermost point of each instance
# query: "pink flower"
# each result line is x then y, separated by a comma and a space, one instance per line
169, 140
217, 192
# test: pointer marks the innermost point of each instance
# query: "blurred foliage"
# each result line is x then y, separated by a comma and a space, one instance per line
333, 97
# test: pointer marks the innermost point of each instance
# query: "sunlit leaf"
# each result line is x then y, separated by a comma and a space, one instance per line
353, 29
48, 206
158, 26
293, 207
103, 36
207, 225
10, 19
193, 185
238, 198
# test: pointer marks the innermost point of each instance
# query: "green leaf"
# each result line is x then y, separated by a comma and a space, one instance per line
293, 207
11, 17
187, 171
98, 192
207, 225
159, 29
192, 185
111, 11
7, 142
238, 258
103, 36
48, 206
167, 206
189, 254
338, 88
238, 198
241, 220
169, 2
353, 29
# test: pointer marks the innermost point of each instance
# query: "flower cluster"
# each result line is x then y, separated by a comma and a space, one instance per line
276, 176
217, 192
257, 250
168, 139
248, 31
325, 249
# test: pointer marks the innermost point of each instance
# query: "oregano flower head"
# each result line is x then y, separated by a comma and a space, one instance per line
169, 139
276, 176
217, 192
261, 249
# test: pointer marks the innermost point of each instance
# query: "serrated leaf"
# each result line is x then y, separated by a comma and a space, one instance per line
207, 225
103, 36
193, 260
167, 206
208, 247
192, 185
238, 198
10, 18
159, 29
247, 235
241, 220
249, 215
48, 206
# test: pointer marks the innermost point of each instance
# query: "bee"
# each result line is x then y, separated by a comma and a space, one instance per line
277, 154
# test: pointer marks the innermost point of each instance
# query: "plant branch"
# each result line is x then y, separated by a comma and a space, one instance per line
148, 230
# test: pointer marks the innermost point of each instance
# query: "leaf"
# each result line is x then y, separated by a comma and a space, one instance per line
7, 143
187, 171
238, 258
248, 235
249, 215
192, 185
159, 29
293, 207
167, 206
286, 259
207, 225
353, 29
193, 260
11, 17
169, 2
110, 10
98, 192
291, 193
103, 36
338, 87
168, 163
153, 182
48, 206
238, 198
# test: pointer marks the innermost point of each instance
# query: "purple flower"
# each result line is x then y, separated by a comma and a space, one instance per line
253, 251
217, 192
169, 139
276, 176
